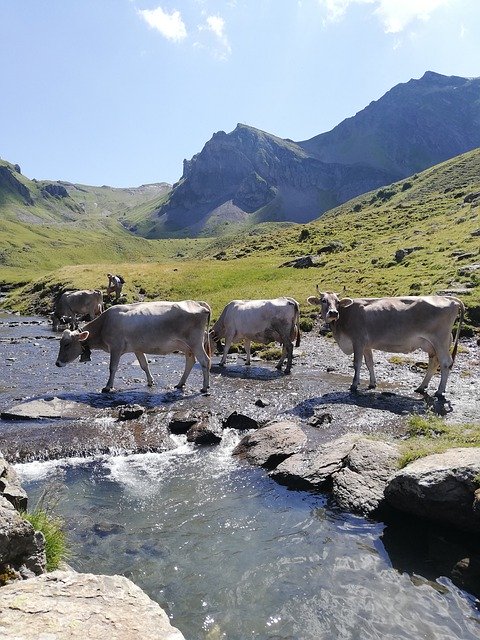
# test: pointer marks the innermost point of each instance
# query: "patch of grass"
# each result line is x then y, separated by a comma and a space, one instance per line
431, 434
51, 526
269, 352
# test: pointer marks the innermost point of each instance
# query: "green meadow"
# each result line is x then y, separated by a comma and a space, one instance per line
415, 237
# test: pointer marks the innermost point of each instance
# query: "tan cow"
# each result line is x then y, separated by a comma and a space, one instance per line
397, 325
145, 327
261, 321
70, 304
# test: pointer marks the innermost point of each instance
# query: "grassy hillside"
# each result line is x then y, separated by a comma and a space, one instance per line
418, 236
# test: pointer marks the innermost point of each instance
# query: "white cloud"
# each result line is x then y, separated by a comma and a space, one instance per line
170, 25
216, 25
395, 15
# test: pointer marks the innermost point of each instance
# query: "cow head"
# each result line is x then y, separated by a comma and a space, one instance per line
71, 346
329, 304
215, 344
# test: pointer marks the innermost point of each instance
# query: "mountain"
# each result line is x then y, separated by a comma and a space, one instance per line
250, 176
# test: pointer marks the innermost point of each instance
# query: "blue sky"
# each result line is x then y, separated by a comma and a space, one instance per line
119, 92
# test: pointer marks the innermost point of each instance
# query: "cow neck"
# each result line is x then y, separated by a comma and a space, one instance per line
86, 354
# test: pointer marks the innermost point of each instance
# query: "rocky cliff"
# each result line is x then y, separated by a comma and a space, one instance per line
252, 176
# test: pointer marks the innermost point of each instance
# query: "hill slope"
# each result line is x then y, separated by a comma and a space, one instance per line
420, 235
248, 176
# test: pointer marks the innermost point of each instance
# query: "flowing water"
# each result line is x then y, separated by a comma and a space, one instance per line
226, 551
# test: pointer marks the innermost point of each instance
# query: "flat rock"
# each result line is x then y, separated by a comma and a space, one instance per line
51, 408
64, 604
269, 445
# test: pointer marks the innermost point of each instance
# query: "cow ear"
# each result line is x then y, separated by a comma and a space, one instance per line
83, 336
345, 302
313, 300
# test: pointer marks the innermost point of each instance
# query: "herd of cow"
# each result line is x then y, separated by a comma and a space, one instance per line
393, 324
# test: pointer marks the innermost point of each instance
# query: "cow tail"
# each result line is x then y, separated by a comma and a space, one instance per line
457, 335
208, 351
296, 323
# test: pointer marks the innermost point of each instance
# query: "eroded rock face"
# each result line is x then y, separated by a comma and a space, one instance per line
65, 604
22, 549
440, 487
10, 487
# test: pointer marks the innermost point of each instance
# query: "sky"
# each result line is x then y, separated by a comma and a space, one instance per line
120, 92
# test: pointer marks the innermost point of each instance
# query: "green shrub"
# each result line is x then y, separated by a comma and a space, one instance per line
56, 548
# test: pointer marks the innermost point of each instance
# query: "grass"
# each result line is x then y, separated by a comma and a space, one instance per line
427, 435
354, 247
55, 539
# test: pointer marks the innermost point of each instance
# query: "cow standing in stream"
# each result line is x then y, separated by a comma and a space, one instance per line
145, 327
263, 321
398, 325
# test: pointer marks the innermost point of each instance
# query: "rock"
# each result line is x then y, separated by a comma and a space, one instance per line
261, 402
51, 408
321, 419
240, 422
64, 604
270, 445
130, 412
55, 190
182, 421
471, 197
202, 433
11, 488
359, 486
304, 262
312, 469
400, 254
22, 549
440, 487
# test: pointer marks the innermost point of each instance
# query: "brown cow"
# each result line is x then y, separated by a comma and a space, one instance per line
397, 325
145, 327
71, 304
261, 321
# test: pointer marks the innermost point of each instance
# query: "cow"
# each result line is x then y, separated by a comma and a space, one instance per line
144, 327
71, 304
261, 321
395, 325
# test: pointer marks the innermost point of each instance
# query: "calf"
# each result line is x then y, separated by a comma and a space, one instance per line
145, 327
261, 321
397, 325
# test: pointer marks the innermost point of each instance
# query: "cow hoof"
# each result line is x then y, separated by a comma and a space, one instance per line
205, 391
221, 364
421, 390
108, 389
287, 371
179, 386
353, 389
372, 386
440, 396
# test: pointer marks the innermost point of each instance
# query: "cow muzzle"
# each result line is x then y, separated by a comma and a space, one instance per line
332, 315
59, 363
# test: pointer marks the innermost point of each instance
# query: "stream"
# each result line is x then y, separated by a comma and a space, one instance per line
225, 550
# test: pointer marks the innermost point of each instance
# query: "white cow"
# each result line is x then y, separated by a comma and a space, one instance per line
397, 325
145, 327
70, 304
261, 321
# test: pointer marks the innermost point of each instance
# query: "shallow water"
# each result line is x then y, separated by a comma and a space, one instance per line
230, 554
226, 551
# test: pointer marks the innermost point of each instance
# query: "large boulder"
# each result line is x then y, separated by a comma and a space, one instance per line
440, 487
270, 445
65, 604
10, 487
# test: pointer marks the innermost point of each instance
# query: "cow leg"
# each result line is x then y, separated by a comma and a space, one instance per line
189, 362
142, 360
226, 349
205, 361
247, 344
445, 360
432, 367
287, 352
369, 362
114, 360
357, 363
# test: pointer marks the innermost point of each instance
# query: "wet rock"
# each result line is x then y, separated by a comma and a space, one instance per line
240, 422
260, 402
202, 433
64, 604
440, 487
104, 529
182, 421
46, 408
270, 445
321, 419
22, 549
130, 412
